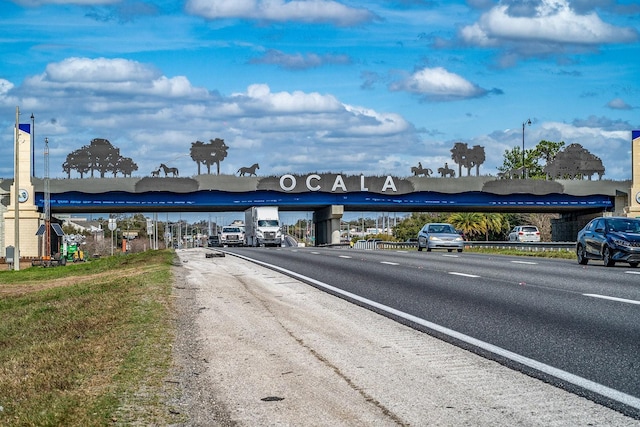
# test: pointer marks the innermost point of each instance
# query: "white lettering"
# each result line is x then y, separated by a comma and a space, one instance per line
362, 187
339, 182
289, 177
388, 183
315, 177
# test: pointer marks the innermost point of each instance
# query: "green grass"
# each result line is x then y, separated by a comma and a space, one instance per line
564, 254
86, 344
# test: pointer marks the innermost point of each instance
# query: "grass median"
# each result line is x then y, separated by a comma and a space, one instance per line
86, 344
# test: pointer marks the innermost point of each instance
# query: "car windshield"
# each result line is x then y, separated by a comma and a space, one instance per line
441, 228
624, 225
231, 230
268, 223
530, 229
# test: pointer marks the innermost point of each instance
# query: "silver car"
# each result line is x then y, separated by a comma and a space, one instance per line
440, 236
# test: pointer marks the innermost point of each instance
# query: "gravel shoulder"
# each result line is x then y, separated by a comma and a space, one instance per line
255, 347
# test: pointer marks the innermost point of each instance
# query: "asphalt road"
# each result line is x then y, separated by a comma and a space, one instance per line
574, 326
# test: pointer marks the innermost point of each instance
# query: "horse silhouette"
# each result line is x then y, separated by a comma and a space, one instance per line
167, 170
155, 172
446, 171
251, 170
419, 170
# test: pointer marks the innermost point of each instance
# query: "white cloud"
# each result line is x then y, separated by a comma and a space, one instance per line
438, 84
553, 22
618, 104
5, 86
312, 11
154, 118
260, 96
115, 76
299, 61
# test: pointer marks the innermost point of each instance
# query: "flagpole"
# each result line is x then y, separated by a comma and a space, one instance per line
16, 196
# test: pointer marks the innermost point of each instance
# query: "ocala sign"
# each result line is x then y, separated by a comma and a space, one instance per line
288, 183
337, 183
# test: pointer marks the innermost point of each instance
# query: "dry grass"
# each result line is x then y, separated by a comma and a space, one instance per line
75, 347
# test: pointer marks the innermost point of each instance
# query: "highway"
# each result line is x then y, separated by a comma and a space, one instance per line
574, 326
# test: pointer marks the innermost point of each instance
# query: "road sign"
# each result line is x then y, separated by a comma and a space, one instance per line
112, 224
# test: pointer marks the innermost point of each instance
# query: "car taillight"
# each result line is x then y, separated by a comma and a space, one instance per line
520, 233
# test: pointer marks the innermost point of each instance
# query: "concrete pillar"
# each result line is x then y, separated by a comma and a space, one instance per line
634, 193
327, 223
29, 217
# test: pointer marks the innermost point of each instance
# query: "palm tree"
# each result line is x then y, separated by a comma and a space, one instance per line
493, 222
470, 223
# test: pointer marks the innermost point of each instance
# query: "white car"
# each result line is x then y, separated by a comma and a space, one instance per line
524, 233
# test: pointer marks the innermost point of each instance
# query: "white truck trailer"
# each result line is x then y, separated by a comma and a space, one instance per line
262, 226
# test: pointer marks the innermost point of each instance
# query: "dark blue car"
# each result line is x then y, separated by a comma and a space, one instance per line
610, 239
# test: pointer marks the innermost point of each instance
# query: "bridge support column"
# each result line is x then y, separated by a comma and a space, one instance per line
327, 224
634, 193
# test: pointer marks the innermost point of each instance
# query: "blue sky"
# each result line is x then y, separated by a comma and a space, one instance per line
320, 86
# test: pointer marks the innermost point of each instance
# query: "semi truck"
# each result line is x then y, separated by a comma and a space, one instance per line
262, 226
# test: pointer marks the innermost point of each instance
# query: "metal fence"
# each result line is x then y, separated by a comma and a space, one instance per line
523, 246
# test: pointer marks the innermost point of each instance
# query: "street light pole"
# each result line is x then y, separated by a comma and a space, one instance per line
526, 122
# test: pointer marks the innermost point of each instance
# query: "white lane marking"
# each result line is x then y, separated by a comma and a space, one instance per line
455, 273
525, 262
632, 272
344, 256
593, 386
315, 253
450, 255
628, 301
389, 263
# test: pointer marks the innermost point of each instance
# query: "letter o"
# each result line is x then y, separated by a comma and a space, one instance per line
293, 182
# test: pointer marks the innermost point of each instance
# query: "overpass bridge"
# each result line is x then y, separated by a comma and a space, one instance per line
329, 195
314, 192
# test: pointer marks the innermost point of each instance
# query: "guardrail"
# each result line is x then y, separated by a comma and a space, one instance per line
525, 246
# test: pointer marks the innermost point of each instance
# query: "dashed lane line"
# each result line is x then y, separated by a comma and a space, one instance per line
628, 301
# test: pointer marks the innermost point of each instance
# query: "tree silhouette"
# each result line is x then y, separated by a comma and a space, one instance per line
199, 153
217, 153
476, 157
126, 166
100, 155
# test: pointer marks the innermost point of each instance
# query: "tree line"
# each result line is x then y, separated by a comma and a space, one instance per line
101, 156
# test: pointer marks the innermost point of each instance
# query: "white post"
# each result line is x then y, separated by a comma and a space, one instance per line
16, 196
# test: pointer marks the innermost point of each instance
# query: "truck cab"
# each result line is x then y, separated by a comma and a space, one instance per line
263, 226
232, 235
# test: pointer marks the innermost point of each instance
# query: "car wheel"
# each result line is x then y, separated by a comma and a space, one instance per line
606, 257
582, 255
419, 248
428, 249
449, 250
459, 250
633, 264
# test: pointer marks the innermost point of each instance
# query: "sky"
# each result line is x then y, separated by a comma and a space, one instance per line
320, 86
